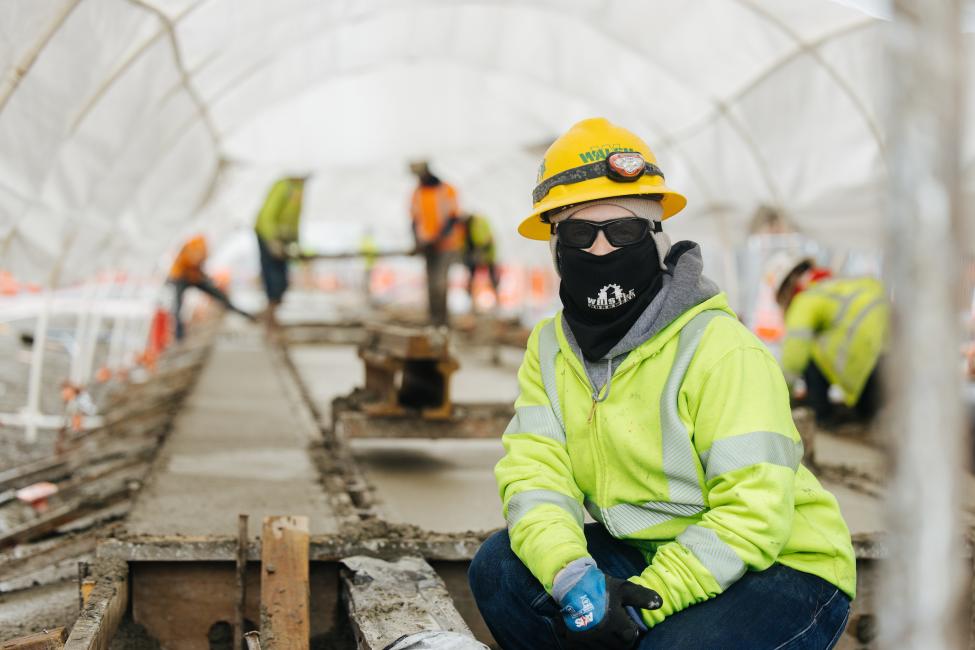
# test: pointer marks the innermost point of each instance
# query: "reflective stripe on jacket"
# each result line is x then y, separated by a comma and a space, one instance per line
842, 325
692, 456
432, 207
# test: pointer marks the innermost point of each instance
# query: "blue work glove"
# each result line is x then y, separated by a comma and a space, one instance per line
600, 611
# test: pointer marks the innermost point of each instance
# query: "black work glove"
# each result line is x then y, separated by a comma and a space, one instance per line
600, 611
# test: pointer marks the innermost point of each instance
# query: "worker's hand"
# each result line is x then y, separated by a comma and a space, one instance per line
600, 611
292, 251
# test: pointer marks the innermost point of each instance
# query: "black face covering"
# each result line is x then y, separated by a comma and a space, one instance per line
604, 295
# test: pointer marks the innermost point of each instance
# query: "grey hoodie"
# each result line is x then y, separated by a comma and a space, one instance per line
684, 286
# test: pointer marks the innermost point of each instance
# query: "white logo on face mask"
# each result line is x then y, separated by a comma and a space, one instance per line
605, 300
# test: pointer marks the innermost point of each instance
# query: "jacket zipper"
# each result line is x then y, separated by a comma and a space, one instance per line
595, 447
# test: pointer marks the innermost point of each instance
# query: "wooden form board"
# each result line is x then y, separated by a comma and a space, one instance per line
387, 600
285, 594
104, 609
48, 640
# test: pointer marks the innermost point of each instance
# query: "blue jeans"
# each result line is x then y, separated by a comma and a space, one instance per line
274, 272
779, 608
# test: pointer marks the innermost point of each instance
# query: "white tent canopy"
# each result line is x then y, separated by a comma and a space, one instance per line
127, 124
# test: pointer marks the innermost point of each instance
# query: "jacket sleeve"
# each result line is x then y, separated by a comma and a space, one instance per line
542, 504
800, 332
750, 451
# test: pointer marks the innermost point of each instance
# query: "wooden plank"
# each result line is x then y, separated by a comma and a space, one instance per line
47, 469
55, 518
47, 640
387, 600
241, 580
285, 593
30, 564
104, 610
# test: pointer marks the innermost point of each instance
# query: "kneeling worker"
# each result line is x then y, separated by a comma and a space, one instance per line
835, 333
646, 403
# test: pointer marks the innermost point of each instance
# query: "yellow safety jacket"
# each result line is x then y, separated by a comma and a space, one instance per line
842, 324
691, 456
279, 217
480, 241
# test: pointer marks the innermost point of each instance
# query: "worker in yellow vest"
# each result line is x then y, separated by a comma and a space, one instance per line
438, 237
277, 228
479, 252
369, 252
836, 331
647, 404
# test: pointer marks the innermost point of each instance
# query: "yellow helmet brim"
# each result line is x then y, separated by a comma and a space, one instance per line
598, 188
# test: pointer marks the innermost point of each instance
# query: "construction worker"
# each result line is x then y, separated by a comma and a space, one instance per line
277, 230
187, 271
369, 252
436, 234
646, 403
479, 251
835, 333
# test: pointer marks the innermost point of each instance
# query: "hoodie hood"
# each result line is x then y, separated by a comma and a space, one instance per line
684, 286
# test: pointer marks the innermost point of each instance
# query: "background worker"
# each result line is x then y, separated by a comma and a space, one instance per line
479, 252
835, 333
187, 271
647, 403
436, 233
369, 252
277, 229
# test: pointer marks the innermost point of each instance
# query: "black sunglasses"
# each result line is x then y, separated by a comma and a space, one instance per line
576, 233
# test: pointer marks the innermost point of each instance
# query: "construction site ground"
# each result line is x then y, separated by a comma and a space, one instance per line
246, 440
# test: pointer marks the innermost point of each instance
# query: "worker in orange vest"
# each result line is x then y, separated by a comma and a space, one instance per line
437, 234
187, 271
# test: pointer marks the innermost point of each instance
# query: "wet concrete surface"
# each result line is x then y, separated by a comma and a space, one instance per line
238, 446
327, 371
438, 485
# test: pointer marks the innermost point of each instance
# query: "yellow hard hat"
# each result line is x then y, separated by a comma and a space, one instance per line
595, 160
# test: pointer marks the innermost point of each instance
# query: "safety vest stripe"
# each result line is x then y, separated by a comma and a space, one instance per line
847, 301
522, 503
678, 452
548, 349
729, 454
716, 556
844, 350
628, 518
685, 492
538, 420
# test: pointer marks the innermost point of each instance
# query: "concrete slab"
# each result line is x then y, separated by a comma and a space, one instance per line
328, 371
438, 485
238, 446
332, 370
480, 382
